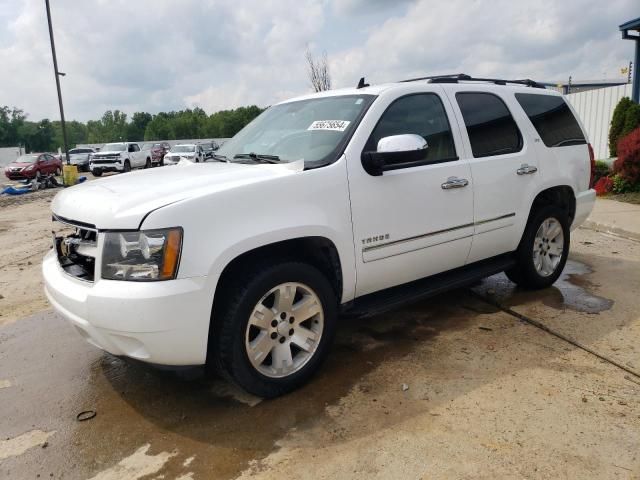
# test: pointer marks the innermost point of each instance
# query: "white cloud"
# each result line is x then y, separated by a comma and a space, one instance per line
160, 55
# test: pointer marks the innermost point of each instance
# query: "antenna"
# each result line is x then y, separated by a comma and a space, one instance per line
361, 83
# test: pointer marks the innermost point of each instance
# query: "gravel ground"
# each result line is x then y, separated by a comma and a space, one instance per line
460, 386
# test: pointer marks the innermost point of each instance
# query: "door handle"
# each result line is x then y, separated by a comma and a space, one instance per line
454, 182
526, 169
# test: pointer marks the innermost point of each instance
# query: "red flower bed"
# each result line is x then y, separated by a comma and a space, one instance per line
628, 163
603, 186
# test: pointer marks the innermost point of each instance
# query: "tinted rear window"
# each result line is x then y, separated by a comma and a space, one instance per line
552, 119
491, 128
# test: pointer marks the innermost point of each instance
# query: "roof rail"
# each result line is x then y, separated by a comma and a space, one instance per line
462, 77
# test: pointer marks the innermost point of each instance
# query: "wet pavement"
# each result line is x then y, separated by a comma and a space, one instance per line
485, 392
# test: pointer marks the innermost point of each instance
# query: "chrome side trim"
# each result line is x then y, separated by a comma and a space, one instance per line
501, 217
416, 237
437, 232
418, 248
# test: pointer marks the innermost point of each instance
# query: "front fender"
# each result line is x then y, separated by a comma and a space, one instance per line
221, 226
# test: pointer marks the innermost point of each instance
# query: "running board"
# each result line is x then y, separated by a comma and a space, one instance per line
395, 297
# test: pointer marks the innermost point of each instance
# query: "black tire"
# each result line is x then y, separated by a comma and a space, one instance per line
127, 166
148, 163
96, 173
525, 274
227, 353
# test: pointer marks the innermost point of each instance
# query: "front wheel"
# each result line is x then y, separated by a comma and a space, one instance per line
543, 250
127, 166
276, 328
96, 173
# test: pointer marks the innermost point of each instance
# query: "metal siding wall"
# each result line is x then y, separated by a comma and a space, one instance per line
595, 109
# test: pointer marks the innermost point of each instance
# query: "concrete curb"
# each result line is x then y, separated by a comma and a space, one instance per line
612, 229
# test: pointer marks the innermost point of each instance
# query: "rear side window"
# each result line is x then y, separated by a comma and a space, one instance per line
421, 114
491, 128
552, 119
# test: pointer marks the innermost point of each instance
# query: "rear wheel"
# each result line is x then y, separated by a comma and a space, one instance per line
272, 335
543, 250
147, 163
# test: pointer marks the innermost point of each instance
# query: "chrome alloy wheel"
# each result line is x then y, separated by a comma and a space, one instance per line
284, 330
548, 246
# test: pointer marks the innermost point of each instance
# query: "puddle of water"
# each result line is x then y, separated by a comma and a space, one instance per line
570, 291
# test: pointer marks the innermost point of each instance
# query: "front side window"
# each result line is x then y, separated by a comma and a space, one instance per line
420, 114
552, 119
313, 130
490, 126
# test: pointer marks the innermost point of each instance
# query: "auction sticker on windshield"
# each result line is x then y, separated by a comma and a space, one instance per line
335, 125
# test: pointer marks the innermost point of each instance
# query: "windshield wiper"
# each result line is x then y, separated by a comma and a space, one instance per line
220, 158
258, 157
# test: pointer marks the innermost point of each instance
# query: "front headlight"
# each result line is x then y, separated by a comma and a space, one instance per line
143, 256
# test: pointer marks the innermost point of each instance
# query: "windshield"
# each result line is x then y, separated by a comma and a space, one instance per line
27, 159
183, 148
77, 150
310, 130
114, 147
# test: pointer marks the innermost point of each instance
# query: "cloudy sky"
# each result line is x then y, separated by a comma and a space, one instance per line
153, 55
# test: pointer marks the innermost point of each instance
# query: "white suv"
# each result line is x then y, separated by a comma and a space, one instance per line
350, 200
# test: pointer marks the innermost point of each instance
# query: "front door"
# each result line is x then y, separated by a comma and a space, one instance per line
409, 222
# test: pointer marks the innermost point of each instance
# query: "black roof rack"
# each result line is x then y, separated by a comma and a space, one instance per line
462, 77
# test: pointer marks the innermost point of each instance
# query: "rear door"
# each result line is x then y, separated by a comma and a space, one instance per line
503, 163
407, 223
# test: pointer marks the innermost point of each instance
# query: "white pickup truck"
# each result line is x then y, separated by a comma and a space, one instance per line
119, 157
351, 201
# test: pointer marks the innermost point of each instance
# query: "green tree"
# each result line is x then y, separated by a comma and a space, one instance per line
631, 119
36, 137
617, 124
138, 125
77, 132
11, 119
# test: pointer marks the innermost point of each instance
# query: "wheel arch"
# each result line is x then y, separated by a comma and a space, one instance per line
561, 195
319, 251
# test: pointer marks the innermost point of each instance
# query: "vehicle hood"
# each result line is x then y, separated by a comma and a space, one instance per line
107, 152
19, 165
122, 201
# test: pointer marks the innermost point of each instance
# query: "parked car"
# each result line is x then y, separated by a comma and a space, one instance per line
158, 151
190, 151
79, 157
209, 149
119, 157
33, 165
349, 201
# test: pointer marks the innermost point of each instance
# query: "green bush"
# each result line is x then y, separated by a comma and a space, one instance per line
631, 120
618, 124
602, 170
622, 185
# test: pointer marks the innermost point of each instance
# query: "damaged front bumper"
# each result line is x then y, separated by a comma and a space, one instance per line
165, 322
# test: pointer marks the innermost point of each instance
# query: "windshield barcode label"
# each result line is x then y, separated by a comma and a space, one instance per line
335, 125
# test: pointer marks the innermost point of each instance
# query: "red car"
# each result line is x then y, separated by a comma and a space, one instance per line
158, 151
33, 165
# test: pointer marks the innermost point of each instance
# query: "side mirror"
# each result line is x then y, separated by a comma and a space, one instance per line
394, 152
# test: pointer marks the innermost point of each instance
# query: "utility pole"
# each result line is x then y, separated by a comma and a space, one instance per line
57, 74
